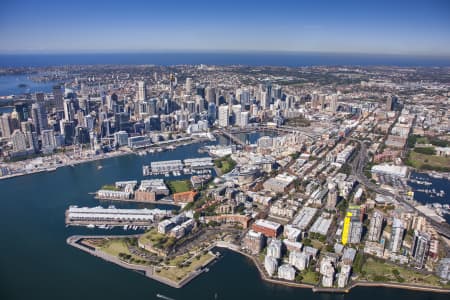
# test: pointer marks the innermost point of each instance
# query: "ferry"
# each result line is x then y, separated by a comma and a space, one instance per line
164, 297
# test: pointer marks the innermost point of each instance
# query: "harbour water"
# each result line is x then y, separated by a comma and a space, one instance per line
36, 262
428, 189
9, 85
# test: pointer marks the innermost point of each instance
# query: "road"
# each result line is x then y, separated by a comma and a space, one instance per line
357, 170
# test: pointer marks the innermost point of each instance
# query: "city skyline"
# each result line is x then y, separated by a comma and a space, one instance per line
403, 27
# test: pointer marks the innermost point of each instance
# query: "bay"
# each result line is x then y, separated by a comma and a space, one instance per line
36, 262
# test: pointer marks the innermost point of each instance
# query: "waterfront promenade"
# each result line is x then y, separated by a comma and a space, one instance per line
318, 289
148, 271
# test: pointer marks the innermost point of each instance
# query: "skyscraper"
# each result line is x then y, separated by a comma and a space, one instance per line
332, 195
68, 110
58, 97
333, 103
189, 86
244, 119
5, 125
375, 227
48, 140
142, 91
396, 235
19, 141
421, 245
265, 99
236, 111
212, 112
223, 116
210, 94
39, 117
390, 103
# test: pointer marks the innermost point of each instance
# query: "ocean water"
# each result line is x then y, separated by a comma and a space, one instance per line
217, 58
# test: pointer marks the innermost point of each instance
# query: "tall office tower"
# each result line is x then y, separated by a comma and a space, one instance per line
5, 125
244, 119
141, 91
421, 245
210, 94
223, 116
200, 91
58, 97
276, 92
265, 99
290, 100
254, 110
48, 140
375, 227
68, 130
333, 103
396, 235
188, 86
200, 104
89, 122
332, 195
236, 112
40, 97
390, 103
212, 113
15, 122
314, 100
152, 106
19, 141
322, 101
69, 113
190, 106
268, 88
39, 116
245, 96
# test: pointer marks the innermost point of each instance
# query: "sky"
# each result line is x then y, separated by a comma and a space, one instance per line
337, 26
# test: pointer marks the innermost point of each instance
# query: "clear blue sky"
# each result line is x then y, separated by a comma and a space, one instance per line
392, 27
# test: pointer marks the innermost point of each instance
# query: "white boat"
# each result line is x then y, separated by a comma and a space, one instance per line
164, 297
90, 226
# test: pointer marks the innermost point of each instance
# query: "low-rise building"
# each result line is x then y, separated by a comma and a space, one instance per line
268, 228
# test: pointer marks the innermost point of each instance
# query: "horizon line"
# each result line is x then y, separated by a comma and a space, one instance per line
216, 51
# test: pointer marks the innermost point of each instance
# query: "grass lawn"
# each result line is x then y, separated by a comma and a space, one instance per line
178, 273
157, 239
110, 187
116, 246
179, 186
310, 277
225, 164
428, 162
382, 271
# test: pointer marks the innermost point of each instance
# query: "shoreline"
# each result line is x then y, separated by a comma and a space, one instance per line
117, 153
317, 289
149, 272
